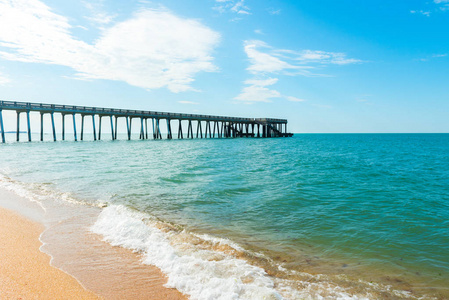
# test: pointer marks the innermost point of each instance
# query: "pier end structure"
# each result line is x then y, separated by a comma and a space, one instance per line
223, 126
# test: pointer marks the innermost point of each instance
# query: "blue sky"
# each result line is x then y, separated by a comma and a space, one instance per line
326, 66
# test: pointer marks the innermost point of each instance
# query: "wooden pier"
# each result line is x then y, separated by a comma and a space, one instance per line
214, 126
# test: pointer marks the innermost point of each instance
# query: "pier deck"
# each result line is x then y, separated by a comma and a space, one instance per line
223, 127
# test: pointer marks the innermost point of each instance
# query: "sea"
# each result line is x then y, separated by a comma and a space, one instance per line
314, 216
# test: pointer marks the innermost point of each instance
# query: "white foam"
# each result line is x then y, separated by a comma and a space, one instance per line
21, 190
39, 193
219, 241
203, 273
197, 273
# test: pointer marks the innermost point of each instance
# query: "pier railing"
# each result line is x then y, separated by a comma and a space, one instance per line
223, 126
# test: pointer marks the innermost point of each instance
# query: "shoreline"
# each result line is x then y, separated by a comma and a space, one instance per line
40, 262
116, 272
25, 271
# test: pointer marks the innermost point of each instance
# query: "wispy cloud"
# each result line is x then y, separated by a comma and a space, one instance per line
98, 13
153, 49
257, 91
433, 56
422, 12
234, 6
265, 60
273, 11
188, 102
432, 7
294, 99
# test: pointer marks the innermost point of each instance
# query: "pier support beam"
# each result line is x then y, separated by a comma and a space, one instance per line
93, 127
190, 130
2, 128
180, 130
74, 128
28, 126
18, 126
205, 133
63, 127
198, 128
210, 131
146, 128
169, 135
116, 128
142, 133
112, 128
99, 127
154, 129
128, 126
82, 127
158, 130
42, 126
53, 126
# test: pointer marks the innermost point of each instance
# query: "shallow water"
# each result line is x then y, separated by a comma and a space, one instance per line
358, 215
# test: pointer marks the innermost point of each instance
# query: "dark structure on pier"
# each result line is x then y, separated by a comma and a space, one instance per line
214, 126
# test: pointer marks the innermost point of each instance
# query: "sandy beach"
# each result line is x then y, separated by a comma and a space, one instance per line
103, 271
25, 272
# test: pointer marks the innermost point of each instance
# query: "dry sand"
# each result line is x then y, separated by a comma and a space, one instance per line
25, 272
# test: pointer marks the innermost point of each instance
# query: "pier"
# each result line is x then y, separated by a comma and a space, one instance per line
207, 126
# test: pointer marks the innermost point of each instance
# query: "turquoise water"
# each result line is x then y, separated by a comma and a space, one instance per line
374, 206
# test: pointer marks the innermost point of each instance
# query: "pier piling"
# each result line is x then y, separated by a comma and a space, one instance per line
74, 128
42, 126
53, 126
82, 127
2, 128
112, 128
18, 126
99, 127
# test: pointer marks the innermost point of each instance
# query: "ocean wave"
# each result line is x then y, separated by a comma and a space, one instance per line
201, 265
42, 192
206, 267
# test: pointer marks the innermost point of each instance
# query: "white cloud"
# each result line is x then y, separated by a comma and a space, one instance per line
257, 91
264, 62
273, 11
98, 14
152, 49
265, 59
441, 1
323, 57
425, 13
433, 56
4, 79
188, 102
235, 6
294, 99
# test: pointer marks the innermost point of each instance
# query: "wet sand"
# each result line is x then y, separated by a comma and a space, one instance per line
92, 269
25, 272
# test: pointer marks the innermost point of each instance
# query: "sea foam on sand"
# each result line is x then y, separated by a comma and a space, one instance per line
199, 273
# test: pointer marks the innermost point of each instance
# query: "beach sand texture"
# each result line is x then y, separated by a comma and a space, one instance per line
25, 272
108, 272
